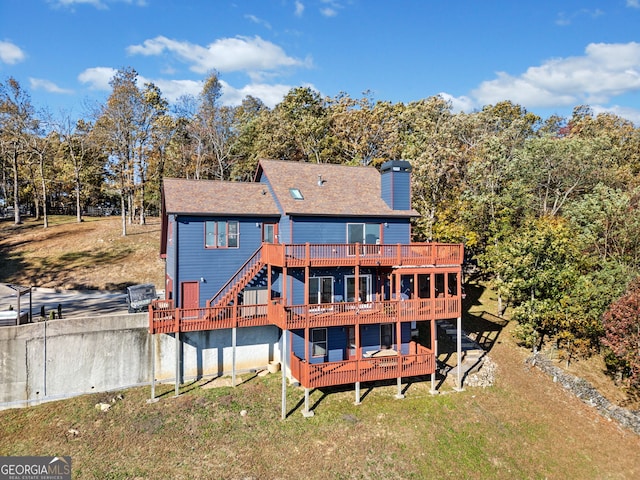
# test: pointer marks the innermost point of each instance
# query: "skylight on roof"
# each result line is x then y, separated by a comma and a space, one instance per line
296, 193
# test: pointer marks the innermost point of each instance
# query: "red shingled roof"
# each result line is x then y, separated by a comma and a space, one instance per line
344, 190
327, 189
199, 197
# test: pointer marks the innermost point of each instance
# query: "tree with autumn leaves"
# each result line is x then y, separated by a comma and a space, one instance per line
550, 208
621, 324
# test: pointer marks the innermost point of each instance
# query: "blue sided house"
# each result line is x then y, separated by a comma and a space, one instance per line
320, 254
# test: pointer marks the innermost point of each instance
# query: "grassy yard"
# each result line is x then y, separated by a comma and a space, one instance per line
89, 255
523, 427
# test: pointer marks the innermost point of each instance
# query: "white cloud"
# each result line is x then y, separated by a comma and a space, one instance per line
172, 90
299, 9
98, 78
100, 4
565, 19
11, 53
258, 21
630, 114
633, 3
42, 84
328, 12
331, 9
224, 55
69, 3
604, 72
271, 95
459, 104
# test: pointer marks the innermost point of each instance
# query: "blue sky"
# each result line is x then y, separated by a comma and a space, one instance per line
546, 55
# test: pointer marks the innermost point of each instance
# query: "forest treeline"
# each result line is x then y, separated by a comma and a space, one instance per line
549, 209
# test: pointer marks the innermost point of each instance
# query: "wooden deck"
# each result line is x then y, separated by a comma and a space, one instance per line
329, 255
165, 318
422, 362
222, 311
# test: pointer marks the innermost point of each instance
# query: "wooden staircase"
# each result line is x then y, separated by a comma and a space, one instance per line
227, 294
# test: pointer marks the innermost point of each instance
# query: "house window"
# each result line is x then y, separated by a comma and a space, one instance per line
319, 342
439, 285
387, 337
221, 234
296, 193
424, 285
453, 284
364, 290
268, 232
366, 233
320, 290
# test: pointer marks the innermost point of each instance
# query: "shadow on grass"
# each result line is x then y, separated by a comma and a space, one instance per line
366, 389
482, 326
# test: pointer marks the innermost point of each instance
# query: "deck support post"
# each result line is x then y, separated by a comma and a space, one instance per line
153, 398
434, 347
233, 355
306, 412
284, 374
178, 352
357, 402
459, 353
399, 395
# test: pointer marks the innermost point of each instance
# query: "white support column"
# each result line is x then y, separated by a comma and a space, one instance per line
357, 402
177, 343
153, 398
399, 395
459, 349
284, 374
434, 346
233, 355
44, 356
306, 412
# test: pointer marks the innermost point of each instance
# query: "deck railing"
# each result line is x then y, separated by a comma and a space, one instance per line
422, 362
340, 254
165, 318
353, 313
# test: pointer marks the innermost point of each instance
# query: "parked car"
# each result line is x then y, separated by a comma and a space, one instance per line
139, 297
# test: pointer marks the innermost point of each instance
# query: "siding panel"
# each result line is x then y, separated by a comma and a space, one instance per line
215, 266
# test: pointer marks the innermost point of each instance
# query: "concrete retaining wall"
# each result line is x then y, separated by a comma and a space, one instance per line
62, 358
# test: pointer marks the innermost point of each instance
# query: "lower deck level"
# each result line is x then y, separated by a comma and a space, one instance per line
380, 365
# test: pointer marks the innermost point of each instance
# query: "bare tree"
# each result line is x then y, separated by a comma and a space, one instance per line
17, 124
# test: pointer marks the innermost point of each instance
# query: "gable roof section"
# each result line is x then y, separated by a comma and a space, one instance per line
213, 197
344, 190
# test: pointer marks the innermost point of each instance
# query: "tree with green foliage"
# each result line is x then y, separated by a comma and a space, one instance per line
537, 268
583, 305
608, 222
298, 128
556, 170
365, 132
430, 141
248, 119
